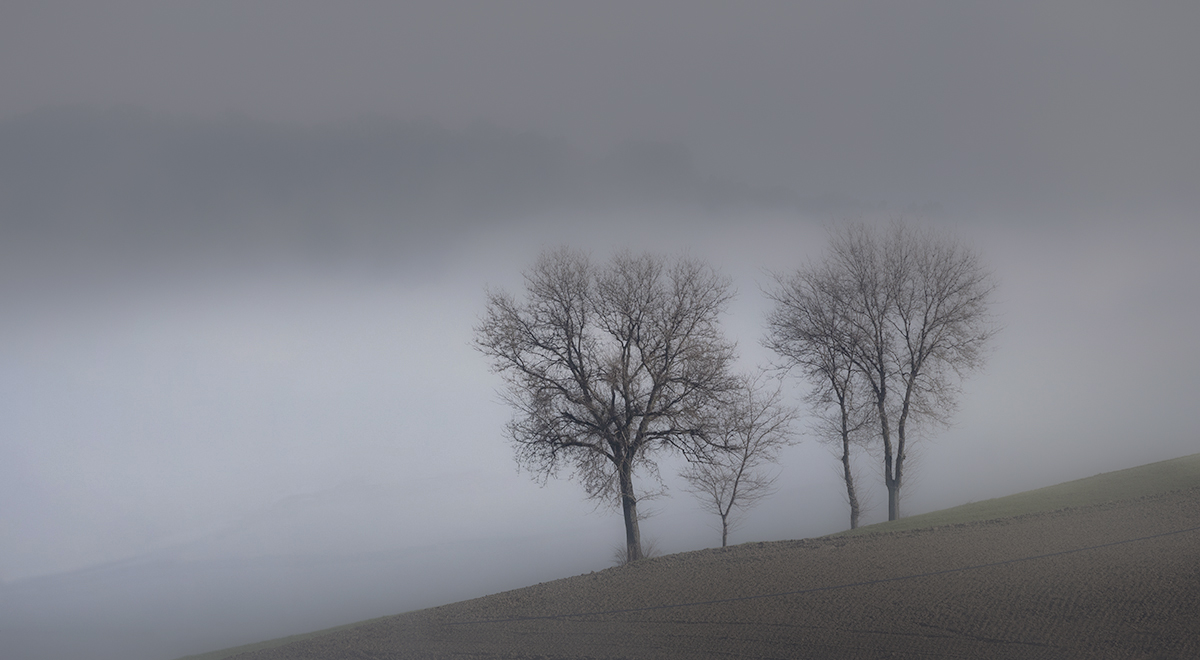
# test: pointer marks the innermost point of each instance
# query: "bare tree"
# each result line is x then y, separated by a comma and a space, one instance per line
756, 426
807, 330
607, 366
911, 315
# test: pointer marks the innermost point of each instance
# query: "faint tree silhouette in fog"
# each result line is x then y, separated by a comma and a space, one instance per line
904, 312
756, 425
606, 366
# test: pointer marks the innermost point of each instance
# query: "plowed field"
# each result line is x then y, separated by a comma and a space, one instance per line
1118, 580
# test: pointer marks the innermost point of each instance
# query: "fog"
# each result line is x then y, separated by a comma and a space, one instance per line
243, 247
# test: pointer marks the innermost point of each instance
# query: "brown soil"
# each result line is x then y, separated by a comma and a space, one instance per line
1119, 580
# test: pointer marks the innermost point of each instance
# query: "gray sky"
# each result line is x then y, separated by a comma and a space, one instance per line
245, 244
1009, 104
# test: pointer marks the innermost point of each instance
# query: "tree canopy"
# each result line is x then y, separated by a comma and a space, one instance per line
607, 365
901, 314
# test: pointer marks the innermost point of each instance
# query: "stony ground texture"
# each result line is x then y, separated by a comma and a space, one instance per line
1119, 580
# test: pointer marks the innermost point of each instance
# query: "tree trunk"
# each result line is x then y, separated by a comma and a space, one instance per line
633, 536
890, 478
724, 530
849, 477
847, 474
897, 476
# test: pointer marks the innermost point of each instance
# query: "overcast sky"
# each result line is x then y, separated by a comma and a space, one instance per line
245, 244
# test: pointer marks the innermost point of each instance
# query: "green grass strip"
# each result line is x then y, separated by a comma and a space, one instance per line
1151, 479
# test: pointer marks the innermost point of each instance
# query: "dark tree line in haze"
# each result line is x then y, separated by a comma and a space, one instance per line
607, 366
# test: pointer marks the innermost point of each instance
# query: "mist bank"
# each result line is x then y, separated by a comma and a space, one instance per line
149, 181
93, 190
158, 606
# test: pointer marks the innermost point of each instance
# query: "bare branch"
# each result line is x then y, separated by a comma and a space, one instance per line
755, 428
885, 329
606, 366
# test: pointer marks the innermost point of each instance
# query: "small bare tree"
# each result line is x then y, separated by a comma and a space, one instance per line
607, 366
910, 317
756, 426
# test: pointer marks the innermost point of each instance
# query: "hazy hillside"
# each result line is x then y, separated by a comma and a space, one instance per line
1110, 575
185, 600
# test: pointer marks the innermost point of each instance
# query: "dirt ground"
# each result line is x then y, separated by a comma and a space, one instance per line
1119, 580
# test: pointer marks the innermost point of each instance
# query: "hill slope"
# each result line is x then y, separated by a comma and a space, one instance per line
1106, 579
1149, 479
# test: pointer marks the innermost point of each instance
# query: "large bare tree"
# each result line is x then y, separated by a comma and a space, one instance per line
756, 426
911, 312
605, 366
807, 330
